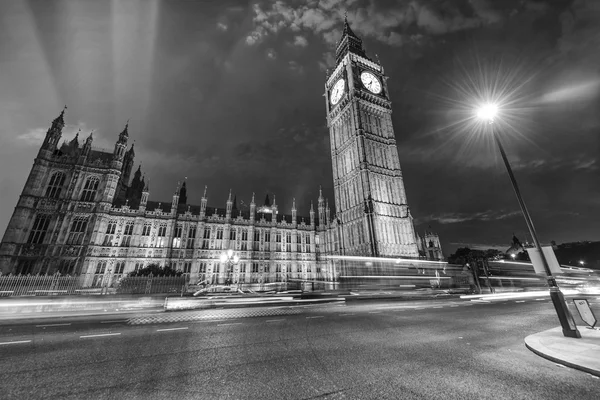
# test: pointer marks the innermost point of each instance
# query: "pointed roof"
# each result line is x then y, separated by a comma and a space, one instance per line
349, 42
267, 201
124, 135
60, 119
234, 202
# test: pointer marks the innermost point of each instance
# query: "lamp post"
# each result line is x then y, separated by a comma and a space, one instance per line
486, 114
230, 260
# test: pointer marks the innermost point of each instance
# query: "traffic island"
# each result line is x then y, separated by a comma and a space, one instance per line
582, 354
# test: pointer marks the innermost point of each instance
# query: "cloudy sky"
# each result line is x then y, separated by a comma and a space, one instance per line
230, 94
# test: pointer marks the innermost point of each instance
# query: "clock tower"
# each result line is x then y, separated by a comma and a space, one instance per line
370, 199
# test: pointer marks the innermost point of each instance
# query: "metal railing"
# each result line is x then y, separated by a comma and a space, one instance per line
89, 284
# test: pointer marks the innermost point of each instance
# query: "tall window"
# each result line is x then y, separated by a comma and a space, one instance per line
110, 231
244, 235
207, 233
232, 234
267, 237
25, 267
299, 243
126, 241
119, 267
99, 274
278, 239
77, 232
90, 188
146, 234
187, 267
177, 237
255, 246
242, 275
57, 180
67, 266
162, 232
288, 242
191, 237
39, 229
254, 276
219, 234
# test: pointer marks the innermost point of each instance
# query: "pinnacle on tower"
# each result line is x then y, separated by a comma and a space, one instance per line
60, 119
205, 189
229, 198
349, 43
252, 202
293, 204
124, 135
267, 201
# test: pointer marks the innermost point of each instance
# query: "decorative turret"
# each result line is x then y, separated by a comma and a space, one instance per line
321, 207
54, 133
294, 211
274, 209
145, 195
229, 206
312, 214
127, 166
87, 146
183, 193
327, 213
203, 202
175, 201
252, 208
120, 146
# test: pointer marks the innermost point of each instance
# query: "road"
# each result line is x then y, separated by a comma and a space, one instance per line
451, 349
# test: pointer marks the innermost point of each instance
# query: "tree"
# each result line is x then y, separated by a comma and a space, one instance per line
155, 270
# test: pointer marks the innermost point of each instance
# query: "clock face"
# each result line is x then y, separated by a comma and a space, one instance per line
337, 91
371, 82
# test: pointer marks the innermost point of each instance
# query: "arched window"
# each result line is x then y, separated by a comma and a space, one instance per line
90, 188
57, 181
78, 228
39, 229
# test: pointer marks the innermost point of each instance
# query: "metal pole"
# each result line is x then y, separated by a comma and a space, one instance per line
566, 319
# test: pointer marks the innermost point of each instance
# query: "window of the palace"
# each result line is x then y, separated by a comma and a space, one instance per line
119, 267
67, 267
39, 229
187, 267
207, 233
177, 237
220, 234
244, 235
57, 181
307, 238
308, 269
45, 268
162, 232
244, 245
205, 244
24, 267
126, 241
77, 232
110, 231
267, 237
191, 237
138, 266
146, 230
99, 274
257, 235
232, 234
202, 268
90, 189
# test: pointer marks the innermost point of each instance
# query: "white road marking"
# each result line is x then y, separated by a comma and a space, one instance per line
541, 299
172, 329
454, 306
43, 326
16, 342
275, 320
374, 312
110, 322
520, 301
343, 315
318, 316
439, 307
208, 320
233, 323
102, 334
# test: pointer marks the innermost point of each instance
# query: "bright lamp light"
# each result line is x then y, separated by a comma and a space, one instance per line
229, 253
236, 259
223, 257
487, 112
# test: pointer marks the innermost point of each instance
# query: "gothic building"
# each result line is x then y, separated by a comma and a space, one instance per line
81, 211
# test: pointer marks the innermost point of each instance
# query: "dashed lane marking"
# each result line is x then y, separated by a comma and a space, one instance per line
345, 315
43, 326
520, 301
374, 312
541, 299
317, 316
172, 329
100, 335
115, 321
439, 307
275, 320
16, 342
231, 323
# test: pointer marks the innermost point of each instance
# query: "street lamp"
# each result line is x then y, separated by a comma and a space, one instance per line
231, 260
581, 263
513, 255
487, 113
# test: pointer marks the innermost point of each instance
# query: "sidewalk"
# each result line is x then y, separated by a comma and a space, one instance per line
582, 354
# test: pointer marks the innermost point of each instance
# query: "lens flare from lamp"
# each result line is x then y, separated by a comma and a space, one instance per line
487, 112
223, 257
236, 259
229, 253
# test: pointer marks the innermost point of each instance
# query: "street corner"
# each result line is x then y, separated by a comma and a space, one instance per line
578, 353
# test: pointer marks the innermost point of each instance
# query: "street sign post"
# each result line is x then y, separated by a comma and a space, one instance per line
585, 312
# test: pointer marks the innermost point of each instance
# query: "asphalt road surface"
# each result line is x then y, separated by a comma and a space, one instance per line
453, 349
